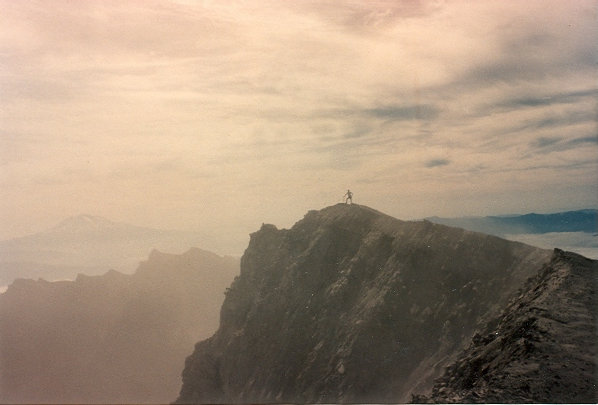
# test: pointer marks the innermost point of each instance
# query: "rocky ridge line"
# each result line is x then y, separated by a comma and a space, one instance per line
542, 349
351, 305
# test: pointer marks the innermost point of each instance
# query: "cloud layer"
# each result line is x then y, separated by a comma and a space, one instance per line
223, 115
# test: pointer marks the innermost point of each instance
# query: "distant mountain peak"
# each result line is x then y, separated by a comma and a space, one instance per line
83, 222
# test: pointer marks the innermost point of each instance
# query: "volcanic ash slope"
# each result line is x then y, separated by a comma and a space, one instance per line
351, 305
541, 349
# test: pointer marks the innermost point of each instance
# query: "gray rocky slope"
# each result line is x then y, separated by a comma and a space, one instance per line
351, 305
113, 338
541, 349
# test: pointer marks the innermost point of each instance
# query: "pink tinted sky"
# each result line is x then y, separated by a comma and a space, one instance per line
221, 115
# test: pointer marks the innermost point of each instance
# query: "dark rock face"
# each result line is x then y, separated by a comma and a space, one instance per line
351, 305
109, 339
541, 349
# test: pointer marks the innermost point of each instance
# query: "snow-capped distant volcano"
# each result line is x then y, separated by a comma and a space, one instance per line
83, 223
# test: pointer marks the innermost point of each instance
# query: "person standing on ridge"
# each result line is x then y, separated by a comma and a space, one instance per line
349, 197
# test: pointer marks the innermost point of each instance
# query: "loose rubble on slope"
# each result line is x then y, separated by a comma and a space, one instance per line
542, 349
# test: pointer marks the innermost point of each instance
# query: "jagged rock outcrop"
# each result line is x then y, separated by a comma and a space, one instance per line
351, 305
542, 349
113, 338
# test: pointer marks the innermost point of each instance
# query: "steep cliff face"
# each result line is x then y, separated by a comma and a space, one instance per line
109, 339
541, 349
351, 305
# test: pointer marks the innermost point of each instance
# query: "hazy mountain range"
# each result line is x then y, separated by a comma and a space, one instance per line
348, 305
92, 245
576, 231
570, 221
89, 245
113, 338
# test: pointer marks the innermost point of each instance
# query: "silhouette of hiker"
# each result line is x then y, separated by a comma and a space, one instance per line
349, 199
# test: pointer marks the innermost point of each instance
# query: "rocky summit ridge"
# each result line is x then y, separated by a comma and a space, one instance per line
352, 305
541, 349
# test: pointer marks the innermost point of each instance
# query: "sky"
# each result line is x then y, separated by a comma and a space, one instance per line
222, 115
